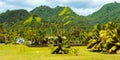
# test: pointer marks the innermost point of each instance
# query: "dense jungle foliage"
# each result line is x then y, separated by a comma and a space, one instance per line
105, 38
43, 22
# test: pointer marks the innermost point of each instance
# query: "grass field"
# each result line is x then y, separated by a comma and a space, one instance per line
20, 52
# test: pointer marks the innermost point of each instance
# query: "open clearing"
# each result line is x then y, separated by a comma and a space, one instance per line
20, 52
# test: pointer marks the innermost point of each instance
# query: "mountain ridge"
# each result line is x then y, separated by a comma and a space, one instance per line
109, 12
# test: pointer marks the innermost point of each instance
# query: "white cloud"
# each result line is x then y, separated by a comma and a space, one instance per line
85, 11
37, 2
94, 5
69, 1
10, 0
102, 2
97, 2
81, 7
2, 4
108, 1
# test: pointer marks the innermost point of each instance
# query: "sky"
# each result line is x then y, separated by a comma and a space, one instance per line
81, 7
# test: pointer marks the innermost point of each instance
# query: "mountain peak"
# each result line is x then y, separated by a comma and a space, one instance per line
48, 13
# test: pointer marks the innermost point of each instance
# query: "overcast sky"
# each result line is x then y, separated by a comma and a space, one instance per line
81, 7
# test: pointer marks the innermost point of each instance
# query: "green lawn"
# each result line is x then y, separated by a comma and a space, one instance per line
20, 52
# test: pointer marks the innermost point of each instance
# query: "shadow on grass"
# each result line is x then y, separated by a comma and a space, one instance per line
103, 52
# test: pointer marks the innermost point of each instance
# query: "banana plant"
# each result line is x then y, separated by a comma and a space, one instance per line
107, 40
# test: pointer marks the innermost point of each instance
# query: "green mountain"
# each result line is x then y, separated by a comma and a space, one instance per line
63, 16
52, 14
109, 12
14, 16
45, 12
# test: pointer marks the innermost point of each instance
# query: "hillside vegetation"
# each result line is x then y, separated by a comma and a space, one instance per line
44, 21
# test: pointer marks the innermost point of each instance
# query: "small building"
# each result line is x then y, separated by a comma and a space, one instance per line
20, 40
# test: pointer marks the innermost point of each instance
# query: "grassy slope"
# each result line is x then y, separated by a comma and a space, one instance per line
19, 52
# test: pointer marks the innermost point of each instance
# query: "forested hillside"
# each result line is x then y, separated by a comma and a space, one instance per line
59, 15
52, 14
13, 16
109, 12
62, 15
43, 24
